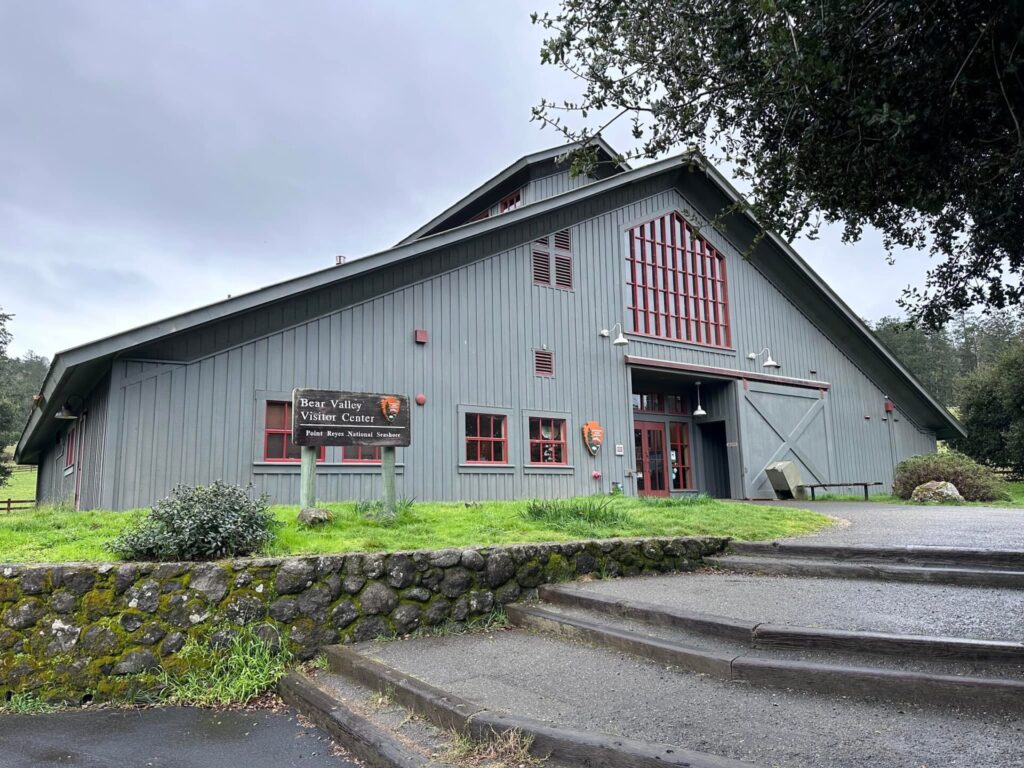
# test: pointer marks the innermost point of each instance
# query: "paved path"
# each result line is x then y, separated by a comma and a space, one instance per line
898, 525
171, 737
879, 606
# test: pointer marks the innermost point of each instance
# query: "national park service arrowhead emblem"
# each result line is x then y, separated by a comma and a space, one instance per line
390, 406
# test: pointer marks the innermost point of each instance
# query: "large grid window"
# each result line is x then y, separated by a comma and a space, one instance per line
360, 454
679, 441
486, 439
677, 284
277, 435
547, 441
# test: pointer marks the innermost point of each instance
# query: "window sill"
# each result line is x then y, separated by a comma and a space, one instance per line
486, 469
549, 469
69, 470
288, 468
652, 339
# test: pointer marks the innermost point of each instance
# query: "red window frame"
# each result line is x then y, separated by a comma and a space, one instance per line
679, 442
491, 441
511, 202
548, 450
678, 286
287, 431
70, 446
648, 402
360, 454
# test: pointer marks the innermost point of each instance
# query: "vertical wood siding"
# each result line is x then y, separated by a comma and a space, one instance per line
198, 421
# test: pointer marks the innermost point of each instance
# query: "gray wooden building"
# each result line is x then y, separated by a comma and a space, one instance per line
535, 305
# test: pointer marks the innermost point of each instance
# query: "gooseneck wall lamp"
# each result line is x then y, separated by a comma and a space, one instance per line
71, 409
768, 361
620, 340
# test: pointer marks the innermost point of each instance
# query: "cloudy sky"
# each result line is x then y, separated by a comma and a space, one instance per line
159, 156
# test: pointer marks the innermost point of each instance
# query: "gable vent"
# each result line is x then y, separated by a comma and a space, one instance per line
552, 258
541, 267
543, 362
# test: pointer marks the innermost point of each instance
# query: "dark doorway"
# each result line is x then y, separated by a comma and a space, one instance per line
715, 459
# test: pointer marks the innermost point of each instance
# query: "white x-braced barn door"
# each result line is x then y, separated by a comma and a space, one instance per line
782, 423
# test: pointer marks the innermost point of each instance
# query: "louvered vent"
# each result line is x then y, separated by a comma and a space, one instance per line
552, 258
541, 267
563, 271
543, 362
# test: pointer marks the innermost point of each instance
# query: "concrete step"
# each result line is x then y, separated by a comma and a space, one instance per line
780, 636
915, 555
556, 745
373, 731
834, 675
619, 698
792, 566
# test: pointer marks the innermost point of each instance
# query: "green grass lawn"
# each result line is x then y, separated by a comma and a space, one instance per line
20, 485
1015, 489
59, 535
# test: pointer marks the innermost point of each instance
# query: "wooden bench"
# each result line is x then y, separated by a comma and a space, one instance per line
813, 486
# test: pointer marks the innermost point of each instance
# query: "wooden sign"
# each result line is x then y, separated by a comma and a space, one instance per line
593, 436
325, 417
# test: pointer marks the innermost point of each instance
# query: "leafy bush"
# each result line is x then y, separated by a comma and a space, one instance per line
230, 666
975, 482
585, 516
199, 523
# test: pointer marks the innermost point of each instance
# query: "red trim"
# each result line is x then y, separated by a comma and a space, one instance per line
542, 443
287, 432
677, 283
70, 446
679, 440
360, 450
510, 203
643, 458
497, 436
728, 373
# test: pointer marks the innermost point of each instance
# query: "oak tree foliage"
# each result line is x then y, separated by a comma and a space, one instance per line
903, 116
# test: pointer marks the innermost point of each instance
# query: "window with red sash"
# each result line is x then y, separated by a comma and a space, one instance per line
677, 284
547, 441
486, 438
510, 203
360, 454
679, 441
70, 446
277, 435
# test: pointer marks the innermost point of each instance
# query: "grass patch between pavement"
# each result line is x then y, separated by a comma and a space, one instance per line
55, 534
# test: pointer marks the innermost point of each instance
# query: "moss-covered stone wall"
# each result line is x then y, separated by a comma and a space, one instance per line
95, 631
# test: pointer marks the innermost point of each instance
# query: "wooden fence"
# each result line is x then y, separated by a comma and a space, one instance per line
15, 505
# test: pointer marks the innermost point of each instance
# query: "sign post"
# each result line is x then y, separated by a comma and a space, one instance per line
325, 417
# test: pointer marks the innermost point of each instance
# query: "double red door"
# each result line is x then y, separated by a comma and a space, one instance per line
652, 461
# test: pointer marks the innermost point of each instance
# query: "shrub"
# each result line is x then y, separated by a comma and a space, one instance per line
992, 411
199, 523
229, 666
975, 482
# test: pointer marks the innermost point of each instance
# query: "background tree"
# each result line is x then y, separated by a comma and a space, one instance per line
908, 117
7, 409
930, 355
992, 411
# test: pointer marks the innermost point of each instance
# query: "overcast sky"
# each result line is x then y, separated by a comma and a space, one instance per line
159, 156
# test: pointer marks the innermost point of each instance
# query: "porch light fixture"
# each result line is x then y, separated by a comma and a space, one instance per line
768, 361
699, 411
620, 340
69, 411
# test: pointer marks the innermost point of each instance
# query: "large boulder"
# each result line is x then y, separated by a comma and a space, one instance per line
936, 491
311, 517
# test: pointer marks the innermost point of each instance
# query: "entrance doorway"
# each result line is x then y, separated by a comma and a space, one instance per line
651, 458
716, 459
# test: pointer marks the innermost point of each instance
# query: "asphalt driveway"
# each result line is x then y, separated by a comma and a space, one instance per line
168, 737
874, 523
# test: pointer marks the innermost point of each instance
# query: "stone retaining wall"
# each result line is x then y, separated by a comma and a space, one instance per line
80, 631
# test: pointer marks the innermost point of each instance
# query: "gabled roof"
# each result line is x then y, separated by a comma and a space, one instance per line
512, 178
87, 363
